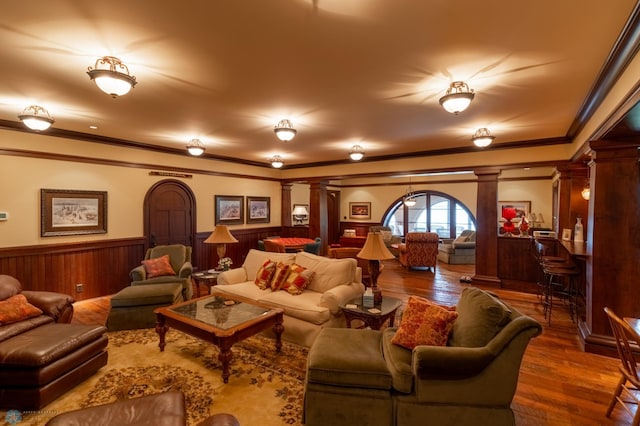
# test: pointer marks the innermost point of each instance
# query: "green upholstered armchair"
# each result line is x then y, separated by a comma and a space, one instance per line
180, 260
473, 379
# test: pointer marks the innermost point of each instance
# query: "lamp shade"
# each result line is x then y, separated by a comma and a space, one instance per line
220, 235
374, 248
300, 211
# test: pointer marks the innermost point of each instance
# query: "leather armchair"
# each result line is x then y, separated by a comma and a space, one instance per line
180, 259
419, 249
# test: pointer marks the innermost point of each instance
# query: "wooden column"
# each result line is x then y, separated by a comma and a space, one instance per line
613, 243
318, 215
487, 227
285, 209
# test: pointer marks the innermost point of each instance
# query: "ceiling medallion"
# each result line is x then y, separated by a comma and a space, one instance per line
457, 98
112, 76
482, 137
36, 118
284, 130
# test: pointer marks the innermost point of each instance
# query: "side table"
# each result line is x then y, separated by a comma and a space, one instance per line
353, 310
206, 278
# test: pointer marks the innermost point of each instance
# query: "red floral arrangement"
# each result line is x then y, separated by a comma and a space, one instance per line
509, 213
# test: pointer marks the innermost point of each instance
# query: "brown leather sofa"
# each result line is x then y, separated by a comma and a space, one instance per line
43, 355
166, 408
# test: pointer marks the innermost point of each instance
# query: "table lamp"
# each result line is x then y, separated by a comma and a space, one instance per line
374, 251
221, 236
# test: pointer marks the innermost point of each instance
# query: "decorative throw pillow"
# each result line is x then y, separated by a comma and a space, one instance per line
17, 308
158, 267
265, 273
424, 323
279, 275
297, 280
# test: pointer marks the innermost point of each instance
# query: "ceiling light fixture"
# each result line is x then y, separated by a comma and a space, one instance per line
36, 118
195, 147
112, 76
586, 190
285, 131
356, 153
457, 98
482, 137
276, 161
409, 199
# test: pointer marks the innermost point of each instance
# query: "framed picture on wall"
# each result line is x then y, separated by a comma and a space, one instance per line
71, 212
360, 210
258, 209
523, 208
229, 209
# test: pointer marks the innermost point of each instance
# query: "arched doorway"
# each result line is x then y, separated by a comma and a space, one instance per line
169, 214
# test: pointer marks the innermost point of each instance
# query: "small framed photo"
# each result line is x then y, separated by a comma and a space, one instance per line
258, 209
71, 212
566, 234
360, 210
229, 209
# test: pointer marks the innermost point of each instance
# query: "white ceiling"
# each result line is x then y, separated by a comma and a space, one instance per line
343, 71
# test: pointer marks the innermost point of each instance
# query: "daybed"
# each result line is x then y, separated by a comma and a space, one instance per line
42, 356
334, 282
466, 376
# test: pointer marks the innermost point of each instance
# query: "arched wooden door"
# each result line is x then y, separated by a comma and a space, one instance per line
169, 214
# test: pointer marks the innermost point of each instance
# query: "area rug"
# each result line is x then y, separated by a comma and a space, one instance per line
265, 388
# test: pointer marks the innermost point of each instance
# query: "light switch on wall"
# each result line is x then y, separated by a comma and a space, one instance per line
4, 216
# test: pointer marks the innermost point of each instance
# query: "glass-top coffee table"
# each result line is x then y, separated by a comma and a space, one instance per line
219, 320
372, 317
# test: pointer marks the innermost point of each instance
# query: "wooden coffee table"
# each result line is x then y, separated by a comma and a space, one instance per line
220, 320
371, 317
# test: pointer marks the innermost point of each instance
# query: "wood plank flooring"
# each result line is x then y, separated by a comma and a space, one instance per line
559, 383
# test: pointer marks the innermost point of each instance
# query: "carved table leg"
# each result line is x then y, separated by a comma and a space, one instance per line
278, 329
161, 329
225, 356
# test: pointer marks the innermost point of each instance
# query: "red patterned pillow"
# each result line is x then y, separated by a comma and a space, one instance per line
424, 323
265, 273
279, 275
158, 267
17, 308
297, 280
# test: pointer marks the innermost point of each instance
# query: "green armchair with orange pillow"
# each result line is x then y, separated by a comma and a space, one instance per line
163, 265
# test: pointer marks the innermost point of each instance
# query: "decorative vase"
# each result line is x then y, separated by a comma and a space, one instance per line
578, 231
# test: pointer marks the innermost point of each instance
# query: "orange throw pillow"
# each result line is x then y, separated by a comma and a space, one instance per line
279, 275
297, 280
265, 273
17, 308
424, 323
158, 267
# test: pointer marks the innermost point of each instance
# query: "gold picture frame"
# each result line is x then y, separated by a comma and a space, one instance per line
72, 212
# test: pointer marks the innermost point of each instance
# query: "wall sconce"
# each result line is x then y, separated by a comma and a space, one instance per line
482, 137
112, 76
300, 213
276, 161
195, 147
284, 130
457, 98
36, 118
356, 153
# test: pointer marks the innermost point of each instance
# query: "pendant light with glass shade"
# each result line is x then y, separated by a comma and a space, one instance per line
195, 147
482, 137
356, 153
276, 161
457, 98
409, 198
36, 118
284, 130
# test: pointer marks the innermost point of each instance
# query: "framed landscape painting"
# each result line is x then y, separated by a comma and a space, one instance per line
72, 212
360, 210
229, 209
258, 209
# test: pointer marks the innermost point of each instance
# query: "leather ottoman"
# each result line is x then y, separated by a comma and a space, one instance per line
132, 307
165, 409
41, 364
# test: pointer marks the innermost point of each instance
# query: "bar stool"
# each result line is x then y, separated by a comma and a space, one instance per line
560, 281
538, 250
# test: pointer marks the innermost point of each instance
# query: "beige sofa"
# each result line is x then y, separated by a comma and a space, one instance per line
335, 282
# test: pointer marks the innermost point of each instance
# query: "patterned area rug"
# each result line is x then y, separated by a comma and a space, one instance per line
265, 387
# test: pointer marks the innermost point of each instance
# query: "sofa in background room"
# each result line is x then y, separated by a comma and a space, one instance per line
461, 251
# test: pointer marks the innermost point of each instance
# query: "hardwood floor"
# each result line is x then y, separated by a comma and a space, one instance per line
559, 383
